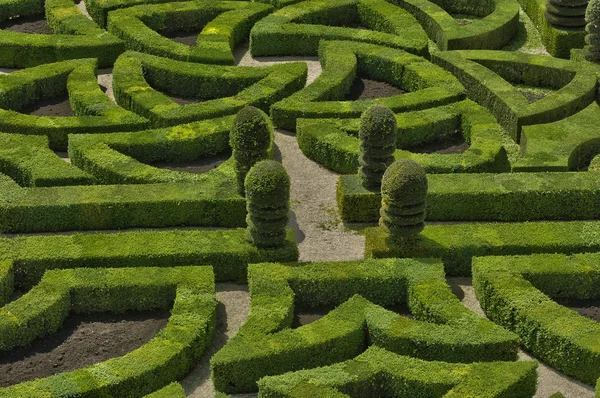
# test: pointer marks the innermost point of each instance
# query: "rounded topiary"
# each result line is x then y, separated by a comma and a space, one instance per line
267, 201
591, 51
377, 135
250, 138
403, 193
566, 13
595, 164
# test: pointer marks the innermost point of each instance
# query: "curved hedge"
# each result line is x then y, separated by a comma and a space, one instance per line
524, 286
427, 84
266, 345
164, 359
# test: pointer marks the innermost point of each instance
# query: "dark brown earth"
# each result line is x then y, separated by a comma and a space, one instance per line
197, 167
183, 101
187, 38
363, 89
36, 24
588, 308
59, 106
83, 340
453, 144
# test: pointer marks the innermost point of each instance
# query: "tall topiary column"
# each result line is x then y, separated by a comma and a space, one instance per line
403, 193
566, 13
591, 51
250, 138
377, 135
267, 201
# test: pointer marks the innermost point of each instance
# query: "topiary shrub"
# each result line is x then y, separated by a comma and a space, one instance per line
267, 201
377, 135
403, 193
591, 50
595, 164
566, 13
249, 139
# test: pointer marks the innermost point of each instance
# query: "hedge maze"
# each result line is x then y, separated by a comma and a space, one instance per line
144, 168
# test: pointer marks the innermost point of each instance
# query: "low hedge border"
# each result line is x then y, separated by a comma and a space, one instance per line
298, 28
517, 292
173, 390
265, 345
558, 41
486, 197
224, 24
334, 143
456, 244
28, 160
428, 84
227, 250
227, 89
377, 372
499, 23
486, 75
164, 359
75, 36
94, 111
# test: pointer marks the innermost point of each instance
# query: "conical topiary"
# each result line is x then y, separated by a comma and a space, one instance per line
591, 51
250, 138
377, 135
403, 194
267, 188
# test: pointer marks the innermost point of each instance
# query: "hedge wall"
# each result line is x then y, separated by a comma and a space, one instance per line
225, 249
167, 357
334, 143
428, 85
487, 197
524, 286
266, 345
456, 244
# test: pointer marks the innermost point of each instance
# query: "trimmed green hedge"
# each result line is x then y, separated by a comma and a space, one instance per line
558, 41
428, 85
226, 89
224, 24
487, 197
456, 244
164, 359
173, 390
298, 28
498, 24
94, 111
227, 250
378, 372
334, 143
489, 77
517, 293
443, 328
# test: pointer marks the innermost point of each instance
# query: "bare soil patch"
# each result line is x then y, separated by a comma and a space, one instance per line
198, 166
587, 308
59, 106
82, 341
36, 24
363, 89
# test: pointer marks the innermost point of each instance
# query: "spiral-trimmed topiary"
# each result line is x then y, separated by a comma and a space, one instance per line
591, 50
249, 139
267, 201
403, 193
377, 135
566, 13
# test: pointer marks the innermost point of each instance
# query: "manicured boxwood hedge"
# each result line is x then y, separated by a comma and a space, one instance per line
517, 293
227, 250
226, 89
164, 359
487, 197
443, 328
378, 372
456, 244
334, 143
173, 390
298, 28
224, 24
94, 111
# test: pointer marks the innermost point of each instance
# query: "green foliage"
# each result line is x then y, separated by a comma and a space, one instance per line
267, 187
250, 140
173, 390
377, 135
403, 194
592, 16
163, 360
